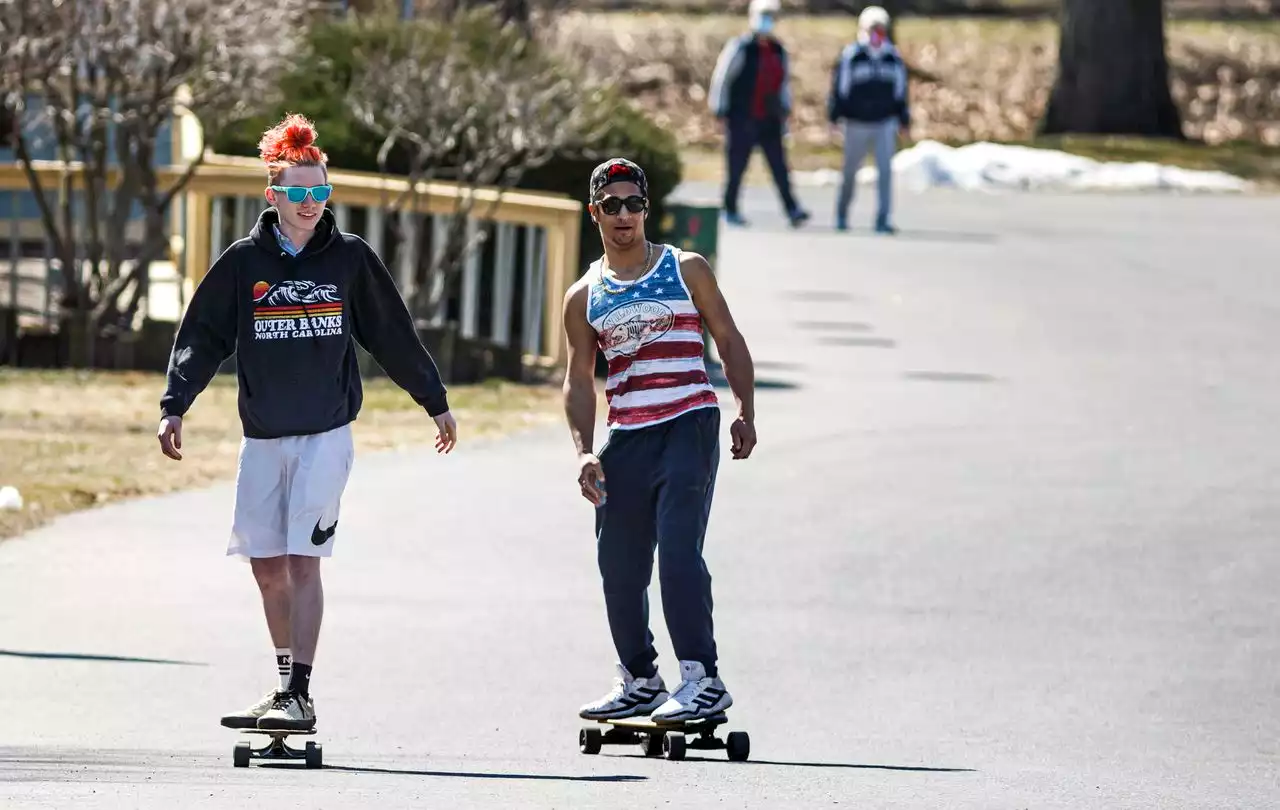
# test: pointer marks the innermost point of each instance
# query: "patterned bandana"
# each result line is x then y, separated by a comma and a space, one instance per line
618, 170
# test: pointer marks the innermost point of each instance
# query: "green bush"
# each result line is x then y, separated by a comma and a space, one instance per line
318, 87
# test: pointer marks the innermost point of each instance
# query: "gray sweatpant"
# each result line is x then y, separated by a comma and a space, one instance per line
859, 138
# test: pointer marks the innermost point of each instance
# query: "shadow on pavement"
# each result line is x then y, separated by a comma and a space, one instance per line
871, 342
821, 296
953, 237
473, 774
121, 659
715, 373
835, 326
950, 376
852, 765
778, 365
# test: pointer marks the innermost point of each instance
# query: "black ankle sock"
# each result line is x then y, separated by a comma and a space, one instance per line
300, 679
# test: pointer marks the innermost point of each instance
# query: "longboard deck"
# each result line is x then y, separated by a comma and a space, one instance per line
648, 724
277, 732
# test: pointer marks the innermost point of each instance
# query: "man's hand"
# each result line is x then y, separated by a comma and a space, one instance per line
591, 478
743, 434
447, 437
170, 436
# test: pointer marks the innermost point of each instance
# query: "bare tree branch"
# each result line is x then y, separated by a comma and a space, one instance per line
102, 81
472, 100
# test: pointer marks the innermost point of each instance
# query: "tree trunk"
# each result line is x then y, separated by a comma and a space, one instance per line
1113, 76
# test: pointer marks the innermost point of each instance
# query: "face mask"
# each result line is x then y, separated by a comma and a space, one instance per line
876, 37
764, 23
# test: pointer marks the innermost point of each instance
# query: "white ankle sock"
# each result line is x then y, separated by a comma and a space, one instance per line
284, 666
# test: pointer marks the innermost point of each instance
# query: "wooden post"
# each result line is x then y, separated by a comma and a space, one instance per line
198, 240
560, 273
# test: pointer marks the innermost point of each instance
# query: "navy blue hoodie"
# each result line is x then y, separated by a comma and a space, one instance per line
869, 86
293, 322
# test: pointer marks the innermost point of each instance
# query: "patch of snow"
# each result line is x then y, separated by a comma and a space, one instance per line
994, 167
10, 499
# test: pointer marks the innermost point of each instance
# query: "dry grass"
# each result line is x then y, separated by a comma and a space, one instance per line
77, 440
973, 79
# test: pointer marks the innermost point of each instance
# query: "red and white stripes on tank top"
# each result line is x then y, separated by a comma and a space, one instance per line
651, 335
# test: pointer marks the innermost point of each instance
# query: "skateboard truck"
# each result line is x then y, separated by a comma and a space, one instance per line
670, 740
312, 754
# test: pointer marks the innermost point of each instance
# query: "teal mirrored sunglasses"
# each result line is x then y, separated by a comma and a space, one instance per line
296, 194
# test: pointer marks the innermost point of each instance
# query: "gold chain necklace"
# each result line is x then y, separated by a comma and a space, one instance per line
604, 283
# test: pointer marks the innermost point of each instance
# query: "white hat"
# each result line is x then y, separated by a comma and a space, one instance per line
871, 17
759, 7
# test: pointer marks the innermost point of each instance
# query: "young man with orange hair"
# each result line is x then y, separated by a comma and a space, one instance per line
291, 300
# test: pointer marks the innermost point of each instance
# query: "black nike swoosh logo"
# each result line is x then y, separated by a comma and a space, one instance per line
321, 536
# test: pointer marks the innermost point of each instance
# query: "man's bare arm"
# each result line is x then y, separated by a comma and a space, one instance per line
580, 389
579, 378
739, 369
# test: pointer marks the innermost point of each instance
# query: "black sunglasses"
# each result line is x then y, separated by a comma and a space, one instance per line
613, 205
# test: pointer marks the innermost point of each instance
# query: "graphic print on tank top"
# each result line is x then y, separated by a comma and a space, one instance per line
651, 336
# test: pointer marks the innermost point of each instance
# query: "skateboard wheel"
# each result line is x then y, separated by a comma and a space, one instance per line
240, 756
651, 744
738, 746
673, 746
590, 740
314, 755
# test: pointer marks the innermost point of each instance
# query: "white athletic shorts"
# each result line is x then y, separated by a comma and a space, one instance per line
288, 492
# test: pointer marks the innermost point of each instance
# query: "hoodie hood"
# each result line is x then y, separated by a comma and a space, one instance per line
263, 233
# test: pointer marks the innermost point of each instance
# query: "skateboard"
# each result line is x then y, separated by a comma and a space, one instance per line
278, 749
669, 740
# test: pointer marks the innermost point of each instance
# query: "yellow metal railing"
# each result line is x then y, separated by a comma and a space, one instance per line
224, 176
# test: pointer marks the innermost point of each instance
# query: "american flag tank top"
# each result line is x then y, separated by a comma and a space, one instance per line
651, 335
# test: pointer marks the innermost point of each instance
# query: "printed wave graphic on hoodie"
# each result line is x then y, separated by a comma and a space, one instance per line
296, 309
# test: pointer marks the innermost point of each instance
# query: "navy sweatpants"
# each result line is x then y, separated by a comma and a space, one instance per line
659, 481
743, 135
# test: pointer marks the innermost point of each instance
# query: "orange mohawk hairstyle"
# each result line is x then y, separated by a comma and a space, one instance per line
290, 143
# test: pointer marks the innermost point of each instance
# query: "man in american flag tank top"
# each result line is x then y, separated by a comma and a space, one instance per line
644, 306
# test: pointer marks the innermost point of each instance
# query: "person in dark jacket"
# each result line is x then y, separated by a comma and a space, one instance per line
291, 300
868, 99
750, 94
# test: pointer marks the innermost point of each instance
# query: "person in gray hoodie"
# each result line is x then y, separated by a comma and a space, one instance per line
868, 101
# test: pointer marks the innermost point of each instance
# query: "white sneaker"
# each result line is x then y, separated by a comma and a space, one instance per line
698, 696
630, 697
248, 718
290, 711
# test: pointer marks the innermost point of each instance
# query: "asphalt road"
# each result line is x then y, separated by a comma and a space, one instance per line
1009, 541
